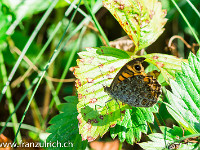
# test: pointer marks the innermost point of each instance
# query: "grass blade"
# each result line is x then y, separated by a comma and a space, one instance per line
41, 75
186, 21
193, 7
14, 69
96, 22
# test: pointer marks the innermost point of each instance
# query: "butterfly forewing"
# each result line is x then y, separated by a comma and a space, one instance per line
133, 86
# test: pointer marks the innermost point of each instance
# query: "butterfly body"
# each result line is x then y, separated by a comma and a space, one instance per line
133, 86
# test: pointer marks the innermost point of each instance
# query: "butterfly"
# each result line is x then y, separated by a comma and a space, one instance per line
174, 146
133, 86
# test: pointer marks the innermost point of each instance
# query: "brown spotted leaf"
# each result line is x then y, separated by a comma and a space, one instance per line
94, 71
142, 20
167, 64
96, 68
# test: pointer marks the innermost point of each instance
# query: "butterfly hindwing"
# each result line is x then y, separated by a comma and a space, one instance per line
133, 86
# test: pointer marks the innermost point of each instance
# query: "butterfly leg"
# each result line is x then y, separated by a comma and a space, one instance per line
118, 105
119, 108
107, 102
96, 107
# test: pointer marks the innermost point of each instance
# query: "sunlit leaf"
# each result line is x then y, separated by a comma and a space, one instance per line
185, 100
5, 21
114, 52
142, 20
27, 8
133, 124
97, 68
167, 139
167, 64
93, 72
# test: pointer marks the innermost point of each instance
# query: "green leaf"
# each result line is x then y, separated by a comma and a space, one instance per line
34, 49
95, 115
165, 61
64, 128
133, 124
23, 8
97, 68
71, 99
5, 21
177, 116
114, 52
165, 139
185, 100
8, 56
167, 64
142, 20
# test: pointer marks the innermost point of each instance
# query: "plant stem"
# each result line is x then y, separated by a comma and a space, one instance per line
9, 98
96, 23
186, 21
194, 8
41, 74
32, 37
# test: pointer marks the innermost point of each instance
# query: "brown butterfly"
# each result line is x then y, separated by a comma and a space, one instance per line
133, 86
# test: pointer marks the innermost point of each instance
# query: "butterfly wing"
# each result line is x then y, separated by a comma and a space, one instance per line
133, 86
129, 70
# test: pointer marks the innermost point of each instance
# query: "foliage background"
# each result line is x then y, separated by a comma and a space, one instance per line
19, 20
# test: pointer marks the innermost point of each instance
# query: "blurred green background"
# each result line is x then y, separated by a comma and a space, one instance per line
18, 20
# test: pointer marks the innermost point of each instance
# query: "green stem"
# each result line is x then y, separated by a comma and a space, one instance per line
41, 75
37, 117
67, 65
83, 23
19, 103
187, 137
32, 37
9, 98
24, 126
120, 145
186, 21
96, 22
194, 8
